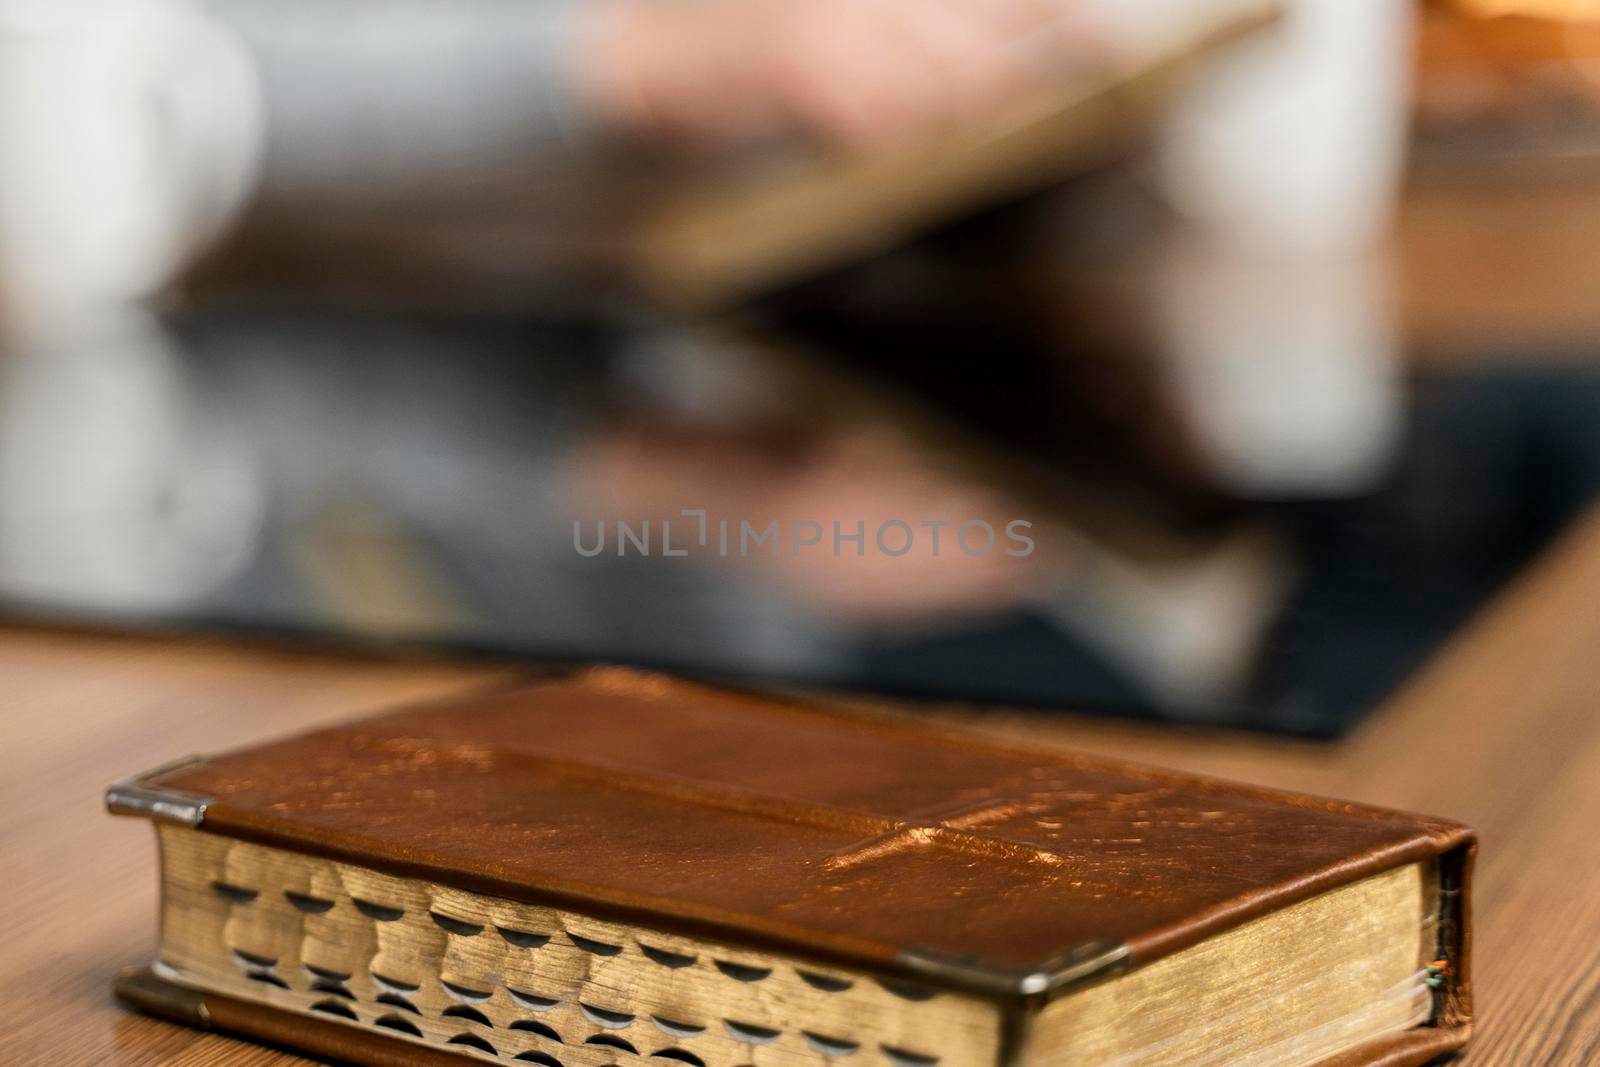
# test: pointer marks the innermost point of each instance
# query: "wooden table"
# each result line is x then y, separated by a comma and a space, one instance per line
1502, 732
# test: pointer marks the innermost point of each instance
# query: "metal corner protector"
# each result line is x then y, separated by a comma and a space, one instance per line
1080, 966
142, 988
137, 796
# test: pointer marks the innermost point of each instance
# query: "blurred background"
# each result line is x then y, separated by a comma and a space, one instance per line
1284, 389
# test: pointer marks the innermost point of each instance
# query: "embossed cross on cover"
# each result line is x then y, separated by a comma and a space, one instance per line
610, 867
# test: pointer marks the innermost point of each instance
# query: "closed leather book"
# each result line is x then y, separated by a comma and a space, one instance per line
608, 867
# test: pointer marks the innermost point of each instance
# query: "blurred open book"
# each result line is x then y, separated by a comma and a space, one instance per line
708, 235
715, 243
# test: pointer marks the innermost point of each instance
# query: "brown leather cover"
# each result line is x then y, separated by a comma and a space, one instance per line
874, 842
1412, 1048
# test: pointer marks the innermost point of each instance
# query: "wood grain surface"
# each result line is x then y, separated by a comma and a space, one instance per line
1501, 732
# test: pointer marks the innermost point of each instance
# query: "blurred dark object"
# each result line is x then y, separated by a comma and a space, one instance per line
413, 481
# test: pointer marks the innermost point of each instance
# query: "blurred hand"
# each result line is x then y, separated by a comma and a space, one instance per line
852, 72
